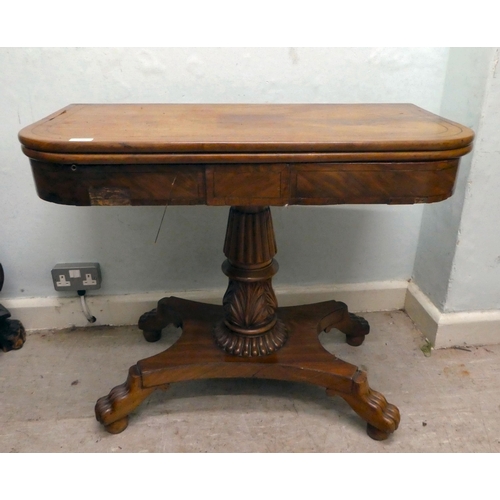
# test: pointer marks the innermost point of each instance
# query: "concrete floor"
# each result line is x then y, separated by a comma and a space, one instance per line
449, 401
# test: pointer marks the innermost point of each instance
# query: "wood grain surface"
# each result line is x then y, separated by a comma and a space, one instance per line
239, 128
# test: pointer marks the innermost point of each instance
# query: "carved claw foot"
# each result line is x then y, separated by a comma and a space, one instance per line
150, 325
354, 327
376, 434
112, 410
382, 417
118, 426
360, 328
153, 322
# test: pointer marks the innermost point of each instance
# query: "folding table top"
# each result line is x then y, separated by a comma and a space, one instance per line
244, 128
244, 154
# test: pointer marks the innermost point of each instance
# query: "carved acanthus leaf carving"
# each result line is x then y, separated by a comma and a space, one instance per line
249, 305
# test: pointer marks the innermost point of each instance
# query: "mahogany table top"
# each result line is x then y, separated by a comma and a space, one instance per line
244, 154
243, 128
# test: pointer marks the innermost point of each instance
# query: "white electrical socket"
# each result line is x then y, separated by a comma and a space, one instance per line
89, 281
63, 282
74, 277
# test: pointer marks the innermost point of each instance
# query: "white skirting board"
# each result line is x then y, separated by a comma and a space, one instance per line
451, 329
441, 329
47, 313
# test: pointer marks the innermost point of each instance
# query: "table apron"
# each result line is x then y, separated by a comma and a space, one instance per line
276, 184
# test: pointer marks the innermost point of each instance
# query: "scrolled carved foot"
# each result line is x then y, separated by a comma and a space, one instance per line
360, 329
112, 410
354, 327
376, 434
382, 417
118, 426
150, 326
153, 322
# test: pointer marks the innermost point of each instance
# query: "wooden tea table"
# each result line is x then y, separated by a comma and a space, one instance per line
248, 157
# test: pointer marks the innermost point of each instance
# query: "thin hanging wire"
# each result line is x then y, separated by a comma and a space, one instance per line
165, 209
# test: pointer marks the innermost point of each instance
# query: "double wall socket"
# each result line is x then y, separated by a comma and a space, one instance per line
74, 277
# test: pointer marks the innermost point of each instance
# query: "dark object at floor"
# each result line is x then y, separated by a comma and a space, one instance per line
12, 333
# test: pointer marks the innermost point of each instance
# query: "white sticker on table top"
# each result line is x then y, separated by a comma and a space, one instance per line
81, 139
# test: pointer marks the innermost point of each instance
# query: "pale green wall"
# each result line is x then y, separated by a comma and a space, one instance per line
322, 245
475, 276
463, 96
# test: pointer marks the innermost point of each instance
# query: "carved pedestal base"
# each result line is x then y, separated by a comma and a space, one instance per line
249, 336
301, 359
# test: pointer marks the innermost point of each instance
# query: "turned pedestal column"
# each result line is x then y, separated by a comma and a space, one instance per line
250, 326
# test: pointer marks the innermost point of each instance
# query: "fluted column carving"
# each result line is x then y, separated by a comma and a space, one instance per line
250, 326
250, 236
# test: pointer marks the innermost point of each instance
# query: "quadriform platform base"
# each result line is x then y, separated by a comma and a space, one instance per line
248, 336
248, 157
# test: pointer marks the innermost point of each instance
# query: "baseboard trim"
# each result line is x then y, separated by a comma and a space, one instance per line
46, 313
441, 329
451, 329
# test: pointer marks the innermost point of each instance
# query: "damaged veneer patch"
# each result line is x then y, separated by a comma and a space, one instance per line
108, 196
